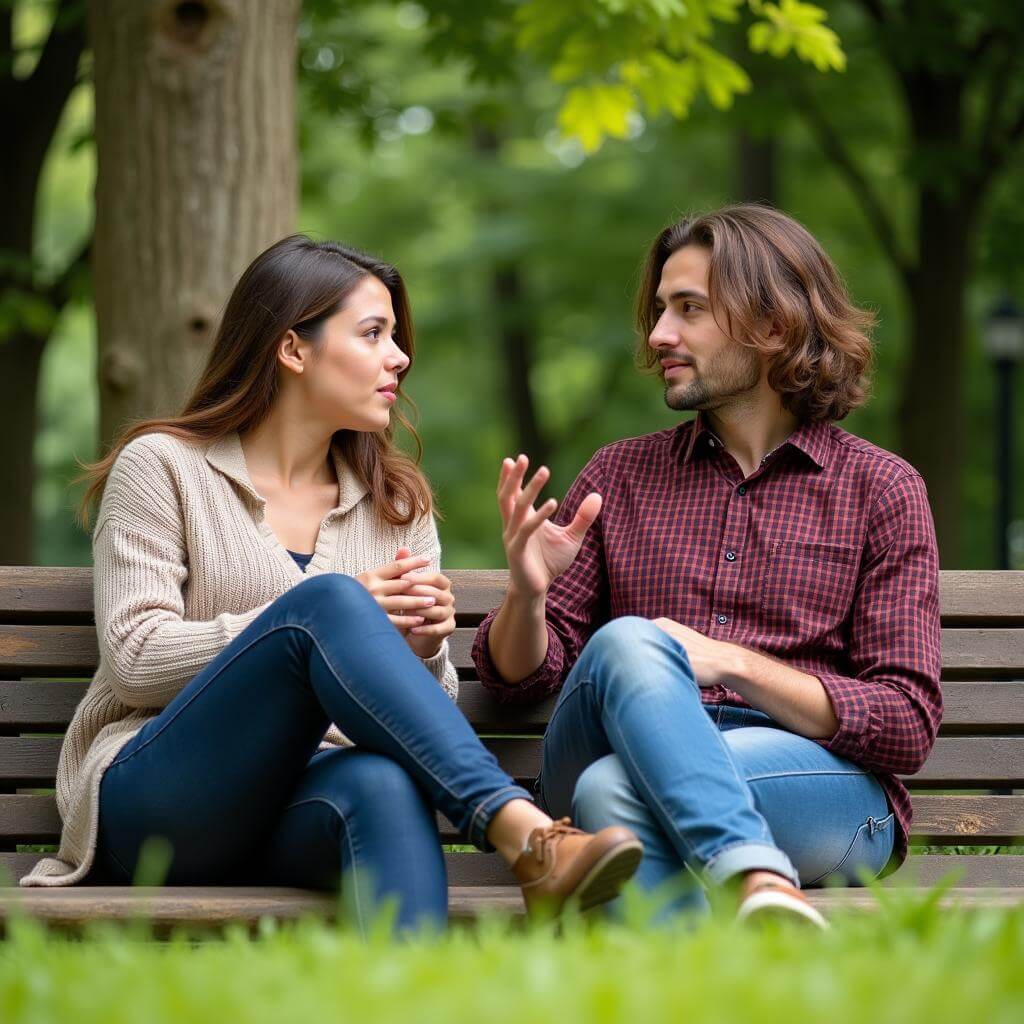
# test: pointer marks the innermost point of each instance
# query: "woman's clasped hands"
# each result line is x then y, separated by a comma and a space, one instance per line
420, 605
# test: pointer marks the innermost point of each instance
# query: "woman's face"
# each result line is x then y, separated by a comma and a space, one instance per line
351, 382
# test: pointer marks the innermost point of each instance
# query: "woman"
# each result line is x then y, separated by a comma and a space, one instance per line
267, 571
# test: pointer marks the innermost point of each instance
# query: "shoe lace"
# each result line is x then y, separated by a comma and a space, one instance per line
551, 836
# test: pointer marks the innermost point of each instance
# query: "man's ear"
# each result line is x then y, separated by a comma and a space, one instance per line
292, 352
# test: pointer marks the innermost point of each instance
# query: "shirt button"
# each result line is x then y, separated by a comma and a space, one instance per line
741, 490
711, 442
730, 556
723, 619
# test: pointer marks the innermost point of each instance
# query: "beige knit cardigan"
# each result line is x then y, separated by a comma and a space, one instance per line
184, 560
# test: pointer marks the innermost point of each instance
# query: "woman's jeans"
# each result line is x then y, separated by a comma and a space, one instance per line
230, 775
711, 791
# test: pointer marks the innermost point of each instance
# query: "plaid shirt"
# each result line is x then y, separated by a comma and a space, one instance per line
823, 558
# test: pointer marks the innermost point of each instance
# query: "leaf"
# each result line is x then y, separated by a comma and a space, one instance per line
591, 113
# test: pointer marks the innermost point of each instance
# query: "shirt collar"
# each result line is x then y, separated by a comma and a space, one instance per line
227, 457
812, 438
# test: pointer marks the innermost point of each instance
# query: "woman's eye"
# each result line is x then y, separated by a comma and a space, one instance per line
374, 333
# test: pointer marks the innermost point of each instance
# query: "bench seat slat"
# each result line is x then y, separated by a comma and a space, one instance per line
27, 650
485, 869
956, 820
964, 761
47, 704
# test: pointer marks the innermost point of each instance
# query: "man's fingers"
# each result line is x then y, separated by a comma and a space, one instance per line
533, 522
509, 488
527, 496
588, 511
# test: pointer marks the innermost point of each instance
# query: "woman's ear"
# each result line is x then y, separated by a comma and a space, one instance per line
292, 352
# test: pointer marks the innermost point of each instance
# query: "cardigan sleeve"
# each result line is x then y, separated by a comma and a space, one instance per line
139, 571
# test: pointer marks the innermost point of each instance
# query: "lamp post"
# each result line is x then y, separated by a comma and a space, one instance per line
1003, 337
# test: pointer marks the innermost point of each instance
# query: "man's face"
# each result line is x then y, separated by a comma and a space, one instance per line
703, 368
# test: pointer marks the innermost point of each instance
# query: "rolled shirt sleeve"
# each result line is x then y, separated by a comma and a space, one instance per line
890, 705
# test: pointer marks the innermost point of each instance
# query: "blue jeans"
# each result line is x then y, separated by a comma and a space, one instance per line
711, 791
230, 775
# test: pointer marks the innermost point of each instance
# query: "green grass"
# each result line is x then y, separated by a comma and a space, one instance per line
905, 963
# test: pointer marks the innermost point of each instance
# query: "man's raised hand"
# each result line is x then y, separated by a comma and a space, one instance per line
536, 549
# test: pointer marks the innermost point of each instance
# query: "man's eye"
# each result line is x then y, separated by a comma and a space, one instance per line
688, 307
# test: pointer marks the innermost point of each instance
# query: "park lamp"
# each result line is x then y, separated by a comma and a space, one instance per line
1003, 333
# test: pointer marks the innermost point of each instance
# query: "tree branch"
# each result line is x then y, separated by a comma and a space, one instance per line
835, 150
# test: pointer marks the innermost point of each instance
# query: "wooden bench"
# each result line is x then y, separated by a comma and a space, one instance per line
48, 650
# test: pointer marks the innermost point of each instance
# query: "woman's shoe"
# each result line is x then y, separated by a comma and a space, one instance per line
562, 866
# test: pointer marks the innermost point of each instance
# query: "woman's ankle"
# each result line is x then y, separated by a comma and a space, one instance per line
511, 826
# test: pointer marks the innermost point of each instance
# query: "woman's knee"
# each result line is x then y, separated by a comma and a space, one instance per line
367, 784
332, 592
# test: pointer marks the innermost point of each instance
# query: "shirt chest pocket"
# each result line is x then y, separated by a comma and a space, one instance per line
808, 588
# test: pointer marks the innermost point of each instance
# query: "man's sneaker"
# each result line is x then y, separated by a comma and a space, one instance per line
778, 901
563, 866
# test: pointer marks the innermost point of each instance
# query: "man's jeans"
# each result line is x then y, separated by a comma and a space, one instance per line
229, 771
715, 790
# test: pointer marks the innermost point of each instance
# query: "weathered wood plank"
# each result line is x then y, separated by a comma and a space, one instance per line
72, 650
48, 704
968, 820
952, 820
956, 761
975, 870
64, 594
214, 908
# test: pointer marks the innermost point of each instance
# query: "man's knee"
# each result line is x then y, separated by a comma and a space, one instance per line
603, 795
638, 652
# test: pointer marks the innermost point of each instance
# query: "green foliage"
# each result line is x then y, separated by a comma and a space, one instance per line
629, 57
905, 963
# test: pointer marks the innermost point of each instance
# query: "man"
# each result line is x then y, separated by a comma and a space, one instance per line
742, 611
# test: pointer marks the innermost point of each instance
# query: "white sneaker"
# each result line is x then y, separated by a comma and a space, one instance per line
779, 901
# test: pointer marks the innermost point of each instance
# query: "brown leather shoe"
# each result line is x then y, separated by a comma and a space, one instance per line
563, 865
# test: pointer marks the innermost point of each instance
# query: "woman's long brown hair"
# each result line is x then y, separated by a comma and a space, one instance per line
296, 284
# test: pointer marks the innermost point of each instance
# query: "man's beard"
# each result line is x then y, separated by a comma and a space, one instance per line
730, 373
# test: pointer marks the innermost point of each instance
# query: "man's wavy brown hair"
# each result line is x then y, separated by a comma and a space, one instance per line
772, 288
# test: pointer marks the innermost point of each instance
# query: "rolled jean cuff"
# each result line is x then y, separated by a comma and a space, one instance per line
742, 857
476, 831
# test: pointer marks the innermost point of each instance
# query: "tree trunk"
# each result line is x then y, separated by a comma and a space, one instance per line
932, 419
931, 414
30, 110
511, 307
197, 173
20, 358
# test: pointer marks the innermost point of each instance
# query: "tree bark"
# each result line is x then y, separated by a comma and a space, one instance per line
932, 421
197, 173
